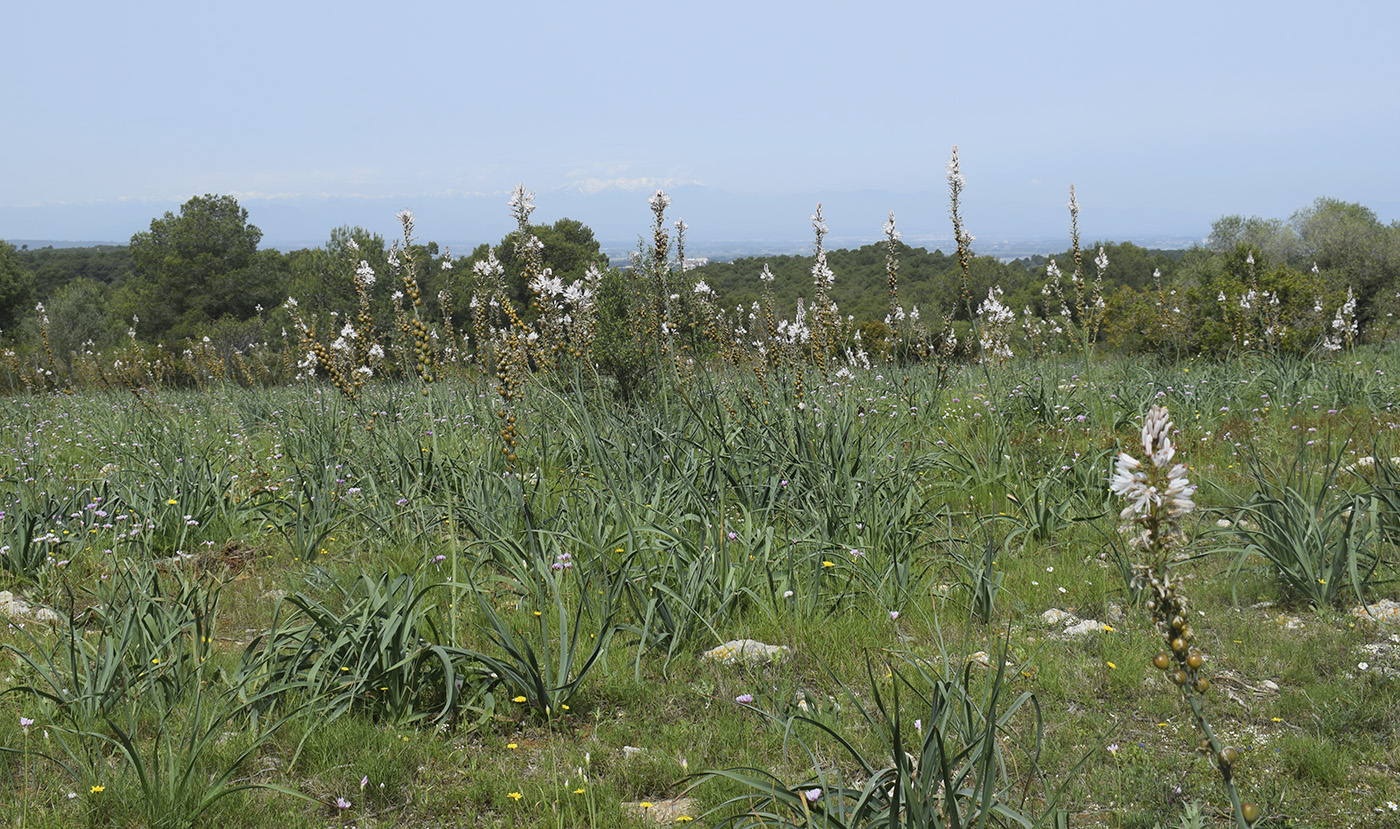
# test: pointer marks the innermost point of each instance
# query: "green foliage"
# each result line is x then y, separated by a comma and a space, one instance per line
1381, 474
321, 279
55, 267
1311, 759
80, 320
619, 350
569, 250
379, 652
194, 268
1317, 538
543, 666
144, 699
958, 764
978, 575
16, 288
1348, 243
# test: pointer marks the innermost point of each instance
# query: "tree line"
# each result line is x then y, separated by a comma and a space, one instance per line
202, 276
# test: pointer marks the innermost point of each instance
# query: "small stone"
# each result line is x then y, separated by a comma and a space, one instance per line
13, 607
985, 660
664, 812
1385, 610
1086, 626
746, 651
1054, 616
628, 752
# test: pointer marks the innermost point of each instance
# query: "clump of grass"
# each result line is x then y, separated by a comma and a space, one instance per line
1318, 538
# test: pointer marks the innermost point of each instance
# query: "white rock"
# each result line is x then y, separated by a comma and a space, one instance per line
750, 651
629, 752
1385, 610
664, 812
1054, 616
15, 608
1086, 626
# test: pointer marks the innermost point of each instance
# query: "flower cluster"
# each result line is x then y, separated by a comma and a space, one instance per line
1158, 493
1344, 327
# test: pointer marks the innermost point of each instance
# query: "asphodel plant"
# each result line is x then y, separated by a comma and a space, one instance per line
1158, 496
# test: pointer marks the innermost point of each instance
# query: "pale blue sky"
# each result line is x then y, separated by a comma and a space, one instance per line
1164, 116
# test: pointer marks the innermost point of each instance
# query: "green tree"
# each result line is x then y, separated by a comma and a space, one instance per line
569, 248
322, 279
79, 314
199, 266
1350, 245
16, 288
55, 267
1271, 238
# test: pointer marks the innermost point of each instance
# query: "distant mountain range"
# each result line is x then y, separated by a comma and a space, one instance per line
720, 223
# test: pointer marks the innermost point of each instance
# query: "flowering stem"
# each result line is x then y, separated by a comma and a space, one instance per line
1192, 698
1159, 495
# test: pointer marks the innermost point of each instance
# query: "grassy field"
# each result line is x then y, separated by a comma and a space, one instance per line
277, 607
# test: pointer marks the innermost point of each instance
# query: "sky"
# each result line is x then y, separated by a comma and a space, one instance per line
1163, 116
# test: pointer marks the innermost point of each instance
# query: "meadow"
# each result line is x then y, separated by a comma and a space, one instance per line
285, 606
623, 557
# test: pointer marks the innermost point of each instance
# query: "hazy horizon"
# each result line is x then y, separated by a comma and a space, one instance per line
716, 221
1164, 118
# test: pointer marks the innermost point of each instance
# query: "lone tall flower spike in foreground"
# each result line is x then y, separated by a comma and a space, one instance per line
1158, 495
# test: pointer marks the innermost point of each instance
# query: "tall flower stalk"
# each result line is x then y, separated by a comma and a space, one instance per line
956, 184
1083, 321
1158, 496
896, 312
